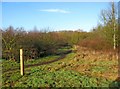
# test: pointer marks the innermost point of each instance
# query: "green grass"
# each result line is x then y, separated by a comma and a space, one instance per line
10, 64
62, 78
44, 78
40, 60
63, 49
62, 73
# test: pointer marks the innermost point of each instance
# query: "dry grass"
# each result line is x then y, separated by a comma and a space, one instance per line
96, 63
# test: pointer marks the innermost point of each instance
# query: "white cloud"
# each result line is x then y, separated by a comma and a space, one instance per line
55, 10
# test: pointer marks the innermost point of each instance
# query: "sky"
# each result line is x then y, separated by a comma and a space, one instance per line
0, 14
53, 15
59, 0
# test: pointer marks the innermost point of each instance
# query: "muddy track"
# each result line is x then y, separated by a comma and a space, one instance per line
63, 55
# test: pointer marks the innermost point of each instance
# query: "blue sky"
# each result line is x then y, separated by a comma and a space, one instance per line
55, 15
0, 14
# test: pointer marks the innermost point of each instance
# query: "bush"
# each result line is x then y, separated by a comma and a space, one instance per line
96, 43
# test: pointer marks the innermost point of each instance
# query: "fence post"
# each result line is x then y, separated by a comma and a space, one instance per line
21, 62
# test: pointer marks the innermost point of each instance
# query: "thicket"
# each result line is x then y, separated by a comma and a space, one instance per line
35, 43
38, 44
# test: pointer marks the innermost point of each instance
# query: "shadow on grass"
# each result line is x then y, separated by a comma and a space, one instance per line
115, 84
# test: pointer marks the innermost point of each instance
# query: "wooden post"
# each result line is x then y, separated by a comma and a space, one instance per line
21, 62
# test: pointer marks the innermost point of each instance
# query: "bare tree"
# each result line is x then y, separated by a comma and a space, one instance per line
109, 20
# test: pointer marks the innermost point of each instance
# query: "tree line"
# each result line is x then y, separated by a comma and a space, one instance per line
104, 37
35, 43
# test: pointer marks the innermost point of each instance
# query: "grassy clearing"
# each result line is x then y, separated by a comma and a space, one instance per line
40, 60
10, 64
42, 78
68, 72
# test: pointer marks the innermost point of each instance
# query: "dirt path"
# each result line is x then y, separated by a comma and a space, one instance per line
63, 55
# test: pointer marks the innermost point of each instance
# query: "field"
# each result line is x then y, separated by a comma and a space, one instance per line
64, 45
73, 70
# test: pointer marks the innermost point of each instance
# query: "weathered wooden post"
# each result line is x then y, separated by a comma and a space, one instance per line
21, 62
